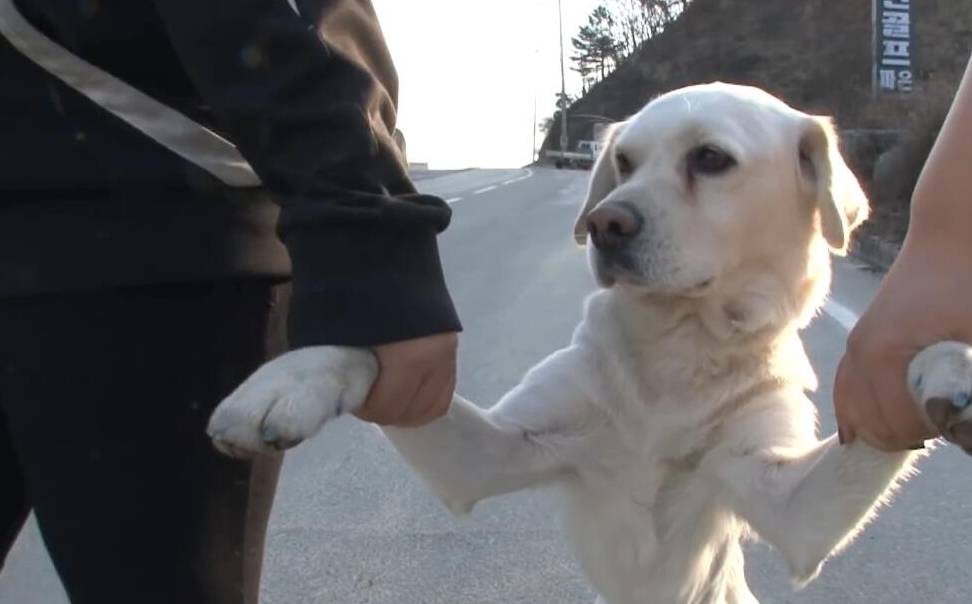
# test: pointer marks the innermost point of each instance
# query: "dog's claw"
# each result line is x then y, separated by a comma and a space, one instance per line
939, 410
962, 434
916, 384
277, 441
269, 435
946, 415
227, 448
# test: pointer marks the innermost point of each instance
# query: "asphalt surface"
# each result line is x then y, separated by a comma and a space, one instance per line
351, 525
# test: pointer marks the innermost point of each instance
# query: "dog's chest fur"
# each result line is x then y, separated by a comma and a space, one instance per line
651, 525
642, 517
654, 532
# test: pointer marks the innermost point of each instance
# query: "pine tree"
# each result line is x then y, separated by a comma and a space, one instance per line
596, 44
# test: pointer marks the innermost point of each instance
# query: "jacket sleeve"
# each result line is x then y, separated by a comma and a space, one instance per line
310, 101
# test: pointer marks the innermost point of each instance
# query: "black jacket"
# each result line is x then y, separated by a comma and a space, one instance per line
87, 201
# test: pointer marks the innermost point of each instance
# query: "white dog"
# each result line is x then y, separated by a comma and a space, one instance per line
675, 423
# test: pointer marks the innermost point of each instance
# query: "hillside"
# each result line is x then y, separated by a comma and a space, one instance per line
816, 54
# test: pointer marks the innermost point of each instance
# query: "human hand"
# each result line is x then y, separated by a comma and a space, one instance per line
416, 380
924, 299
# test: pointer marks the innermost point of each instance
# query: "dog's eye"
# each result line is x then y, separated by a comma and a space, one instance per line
623, 164
709, 160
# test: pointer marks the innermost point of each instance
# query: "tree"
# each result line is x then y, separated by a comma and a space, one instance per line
659, 13
597, 48
630, 24
615, 30
563, 101
586, 72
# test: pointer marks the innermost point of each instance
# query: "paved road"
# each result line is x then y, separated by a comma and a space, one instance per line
352, 526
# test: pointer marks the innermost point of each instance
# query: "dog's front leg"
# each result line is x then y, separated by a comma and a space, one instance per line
467, 456
810, 501
531, 436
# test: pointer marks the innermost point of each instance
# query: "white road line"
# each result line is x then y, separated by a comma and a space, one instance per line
529, 173
513, 181
840, 313
525, 176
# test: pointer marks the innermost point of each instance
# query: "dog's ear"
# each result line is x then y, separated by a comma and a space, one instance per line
830, 184
603, 181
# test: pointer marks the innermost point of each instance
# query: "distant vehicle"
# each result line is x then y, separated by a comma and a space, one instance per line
583, 157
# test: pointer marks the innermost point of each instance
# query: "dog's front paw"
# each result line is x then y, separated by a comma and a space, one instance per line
940, 378
288, 399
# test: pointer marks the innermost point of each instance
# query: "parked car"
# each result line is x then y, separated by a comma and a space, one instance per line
583, 157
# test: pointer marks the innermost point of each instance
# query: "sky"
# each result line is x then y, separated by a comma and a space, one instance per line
469, 72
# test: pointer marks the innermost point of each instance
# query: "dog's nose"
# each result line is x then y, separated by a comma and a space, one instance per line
613, 224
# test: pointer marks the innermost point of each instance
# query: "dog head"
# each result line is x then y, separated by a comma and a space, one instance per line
708, 185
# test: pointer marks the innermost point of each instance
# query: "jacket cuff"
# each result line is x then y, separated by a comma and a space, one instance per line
367, 284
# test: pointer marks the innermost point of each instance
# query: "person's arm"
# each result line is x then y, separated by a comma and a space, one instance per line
941, 206
310, 102
925, 297
311, 107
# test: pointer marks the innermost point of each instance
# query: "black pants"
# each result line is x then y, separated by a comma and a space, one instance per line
104, 398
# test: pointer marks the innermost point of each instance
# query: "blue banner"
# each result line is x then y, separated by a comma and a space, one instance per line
894, 70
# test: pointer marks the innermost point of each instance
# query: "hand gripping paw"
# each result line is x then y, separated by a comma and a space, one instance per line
288, 399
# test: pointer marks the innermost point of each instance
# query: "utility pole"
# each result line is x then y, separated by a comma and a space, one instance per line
874, 50
533, 149
536, 62
563, 82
